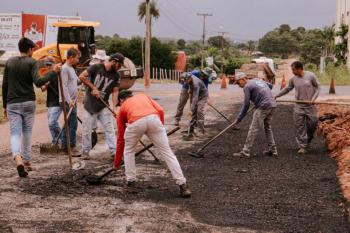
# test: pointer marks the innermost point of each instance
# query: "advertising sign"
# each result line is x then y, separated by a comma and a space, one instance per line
51, 32
33, 27
10, 31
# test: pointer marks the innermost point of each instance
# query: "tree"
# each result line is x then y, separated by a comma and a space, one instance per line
251, 46
181, 44
154, 11
328, 34
218, 41
341, 48
312, 46
284, 28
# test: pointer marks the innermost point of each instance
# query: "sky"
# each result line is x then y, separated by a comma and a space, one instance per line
242, 19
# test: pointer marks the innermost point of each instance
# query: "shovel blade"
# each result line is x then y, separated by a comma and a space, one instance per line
94, 180
196, 155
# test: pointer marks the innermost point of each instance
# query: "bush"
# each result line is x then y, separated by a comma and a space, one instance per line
340, 74
235, 63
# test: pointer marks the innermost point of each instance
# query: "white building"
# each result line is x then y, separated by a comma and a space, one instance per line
343, 16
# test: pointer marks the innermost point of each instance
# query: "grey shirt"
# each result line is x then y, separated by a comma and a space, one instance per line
70, 83
259, 92
306, 88
199, 91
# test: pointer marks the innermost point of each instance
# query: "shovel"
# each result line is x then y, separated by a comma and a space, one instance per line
96, 180
197, 154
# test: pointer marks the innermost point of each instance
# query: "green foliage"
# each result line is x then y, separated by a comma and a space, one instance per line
234, 63
312, 46
194, 61
341, 49
218, 41
153, 10
181, 44
161, 53
340, 73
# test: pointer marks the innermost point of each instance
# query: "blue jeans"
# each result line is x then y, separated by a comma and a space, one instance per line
21, 118
106, 118
53, 114
72, 125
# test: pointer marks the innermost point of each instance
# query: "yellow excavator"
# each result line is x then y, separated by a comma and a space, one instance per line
81, 35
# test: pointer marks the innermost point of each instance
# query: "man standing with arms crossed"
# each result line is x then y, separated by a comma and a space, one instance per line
20, 73
307, 88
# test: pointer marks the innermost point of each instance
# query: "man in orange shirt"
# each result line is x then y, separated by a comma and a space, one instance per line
141, 115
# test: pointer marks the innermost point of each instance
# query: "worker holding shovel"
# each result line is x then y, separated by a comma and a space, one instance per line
70, 90
307, 88
101, 80
141, 115
20, 73
259, 92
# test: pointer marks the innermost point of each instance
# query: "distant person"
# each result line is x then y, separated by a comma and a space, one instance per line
20, 73
140, 115
259, 92
101, 81
54, 109
70, 88
199, 94
184, 96
307, 88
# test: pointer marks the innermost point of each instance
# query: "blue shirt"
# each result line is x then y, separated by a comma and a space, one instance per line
259, 92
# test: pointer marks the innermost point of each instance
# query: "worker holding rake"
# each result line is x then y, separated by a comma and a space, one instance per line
259, 92
307, 88
139, 115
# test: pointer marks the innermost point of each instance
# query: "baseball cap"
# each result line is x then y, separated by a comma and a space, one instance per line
118, 57
240, 75
186, 75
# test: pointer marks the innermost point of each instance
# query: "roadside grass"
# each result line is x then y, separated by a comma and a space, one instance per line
341, 74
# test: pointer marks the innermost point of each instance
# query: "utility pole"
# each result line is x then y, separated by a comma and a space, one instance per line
148, 45
204, 15
222, 34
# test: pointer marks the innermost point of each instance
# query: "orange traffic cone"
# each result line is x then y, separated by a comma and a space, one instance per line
223, 81
332, 87
283, 83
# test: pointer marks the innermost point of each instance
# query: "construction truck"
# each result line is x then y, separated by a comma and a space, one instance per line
81, 35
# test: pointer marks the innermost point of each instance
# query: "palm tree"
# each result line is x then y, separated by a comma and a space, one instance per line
251, 46
154, 11
329, 34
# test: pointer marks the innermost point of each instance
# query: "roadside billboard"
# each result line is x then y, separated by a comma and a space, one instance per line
10, 31
33, 27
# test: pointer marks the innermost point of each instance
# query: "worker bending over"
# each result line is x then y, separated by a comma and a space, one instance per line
307, 88
141, 115
259, 92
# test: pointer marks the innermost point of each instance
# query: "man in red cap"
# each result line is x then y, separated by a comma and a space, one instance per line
141, 115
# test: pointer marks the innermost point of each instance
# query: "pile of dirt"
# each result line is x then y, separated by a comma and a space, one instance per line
337, 135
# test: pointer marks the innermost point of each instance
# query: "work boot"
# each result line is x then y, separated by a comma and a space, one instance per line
270, 153
241, 155
28, 166
301, 151
184, 191
131, 187
86, 155
20, 167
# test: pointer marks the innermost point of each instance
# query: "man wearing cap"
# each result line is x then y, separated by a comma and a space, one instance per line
139, 115
307, 88
54, 109
18, 96
199, 94
101, 80
259, 92
184, 96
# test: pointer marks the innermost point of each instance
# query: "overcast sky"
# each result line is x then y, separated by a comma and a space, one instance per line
243, 19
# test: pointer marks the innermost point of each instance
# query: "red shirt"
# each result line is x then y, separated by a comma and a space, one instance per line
131, 110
